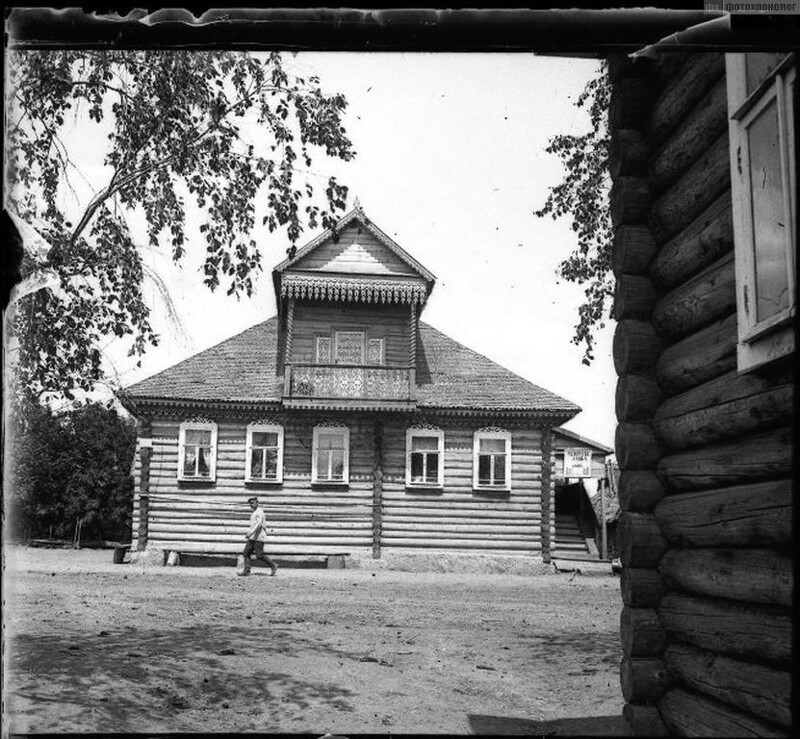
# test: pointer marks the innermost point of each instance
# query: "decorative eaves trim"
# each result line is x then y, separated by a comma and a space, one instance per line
353, 289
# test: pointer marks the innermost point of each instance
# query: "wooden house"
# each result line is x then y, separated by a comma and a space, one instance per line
361, 429
704, 209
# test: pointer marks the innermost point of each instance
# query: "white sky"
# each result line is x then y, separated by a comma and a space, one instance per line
451, 164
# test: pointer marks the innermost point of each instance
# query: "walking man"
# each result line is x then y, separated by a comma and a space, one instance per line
256, 536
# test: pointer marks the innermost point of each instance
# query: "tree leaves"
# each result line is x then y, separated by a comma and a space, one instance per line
171, 124
582, 196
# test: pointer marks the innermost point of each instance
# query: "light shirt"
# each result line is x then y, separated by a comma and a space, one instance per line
258, 525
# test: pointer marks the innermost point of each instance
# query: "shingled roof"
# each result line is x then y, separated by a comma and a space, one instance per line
449, 376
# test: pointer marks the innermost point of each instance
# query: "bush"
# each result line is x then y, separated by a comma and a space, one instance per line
70, 467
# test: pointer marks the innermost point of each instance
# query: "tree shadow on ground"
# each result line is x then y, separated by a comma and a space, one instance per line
133, 678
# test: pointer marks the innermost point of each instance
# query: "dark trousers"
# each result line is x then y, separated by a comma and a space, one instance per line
256, 549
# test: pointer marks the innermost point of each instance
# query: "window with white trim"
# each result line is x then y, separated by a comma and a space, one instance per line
424, 458
264, 453
763, 182
330, 455
197, 450
491, 460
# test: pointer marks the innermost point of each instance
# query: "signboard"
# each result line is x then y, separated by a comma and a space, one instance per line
577, 462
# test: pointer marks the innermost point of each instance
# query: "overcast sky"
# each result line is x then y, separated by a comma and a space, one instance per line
451, 164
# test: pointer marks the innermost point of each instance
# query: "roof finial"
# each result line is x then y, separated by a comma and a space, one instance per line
357, 205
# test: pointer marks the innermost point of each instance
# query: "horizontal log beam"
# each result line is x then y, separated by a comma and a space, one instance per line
637, 398
639, 540
695, 134
703, 183
434, 542
636, 347
698, 358
629, 201
643, 720
639, 490
750, 575
754, 688
636, 446
689, 714
682, 92
707, 297
723, 408
628, 153
759, 514
703, 241
641, 632
641, 588
750, 459
634, 297
633, 250
643, 680
760, 633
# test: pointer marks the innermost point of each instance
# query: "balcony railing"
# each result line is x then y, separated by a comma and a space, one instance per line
348, 382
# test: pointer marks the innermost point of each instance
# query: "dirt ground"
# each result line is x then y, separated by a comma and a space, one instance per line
95, 647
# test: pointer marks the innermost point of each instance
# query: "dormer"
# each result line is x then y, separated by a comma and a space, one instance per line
348, 306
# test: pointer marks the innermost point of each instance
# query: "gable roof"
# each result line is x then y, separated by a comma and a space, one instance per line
356, 214
449, 375
572, 436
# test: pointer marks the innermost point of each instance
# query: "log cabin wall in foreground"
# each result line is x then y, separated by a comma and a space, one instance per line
705, 451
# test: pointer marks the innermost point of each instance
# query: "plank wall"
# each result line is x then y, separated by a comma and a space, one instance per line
388, 322
705, 452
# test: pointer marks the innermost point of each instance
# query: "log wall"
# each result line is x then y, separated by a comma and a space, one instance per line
705, 452
376, 511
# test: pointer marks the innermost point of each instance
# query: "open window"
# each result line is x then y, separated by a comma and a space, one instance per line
264, 453
763, 182
425, 458
330, 455
197, 451
491, 460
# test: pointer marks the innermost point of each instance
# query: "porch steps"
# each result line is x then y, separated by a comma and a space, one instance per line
570, 543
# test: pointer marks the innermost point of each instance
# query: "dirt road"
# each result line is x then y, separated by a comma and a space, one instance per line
97, 647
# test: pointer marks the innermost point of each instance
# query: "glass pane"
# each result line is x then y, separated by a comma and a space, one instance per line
202, 462
331, 440
769, 226
424, 443
495, 446
417, 461
189, 457
337, 465
759, 66
484, 469
199, 437
256, 462
265, 438
271, 469
432, 468
500, 469
322, 465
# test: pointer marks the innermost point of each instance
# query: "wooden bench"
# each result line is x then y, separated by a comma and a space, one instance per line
333, 561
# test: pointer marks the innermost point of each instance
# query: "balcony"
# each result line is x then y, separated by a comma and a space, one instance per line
348, 386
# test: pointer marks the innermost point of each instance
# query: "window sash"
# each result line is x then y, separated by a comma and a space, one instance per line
330, 455
264, 461
492, 460
197, 444
424, 458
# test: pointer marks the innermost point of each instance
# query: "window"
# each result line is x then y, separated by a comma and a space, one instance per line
491, 463
323, 350
763, 180
197, 450
330, 455
424, 457
349, 347
375, 351
264, 453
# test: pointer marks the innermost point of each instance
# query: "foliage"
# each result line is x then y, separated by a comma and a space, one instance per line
583, 197
171, 127
65, 468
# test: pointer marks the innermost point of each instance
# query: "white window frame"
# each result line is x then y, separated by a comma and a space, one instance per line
439, 434
477, 436
269, 428
315, 455
772, 338
212, 464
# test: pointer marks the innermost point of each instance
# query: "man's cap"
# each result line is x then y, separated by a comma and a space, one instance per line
252, 500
